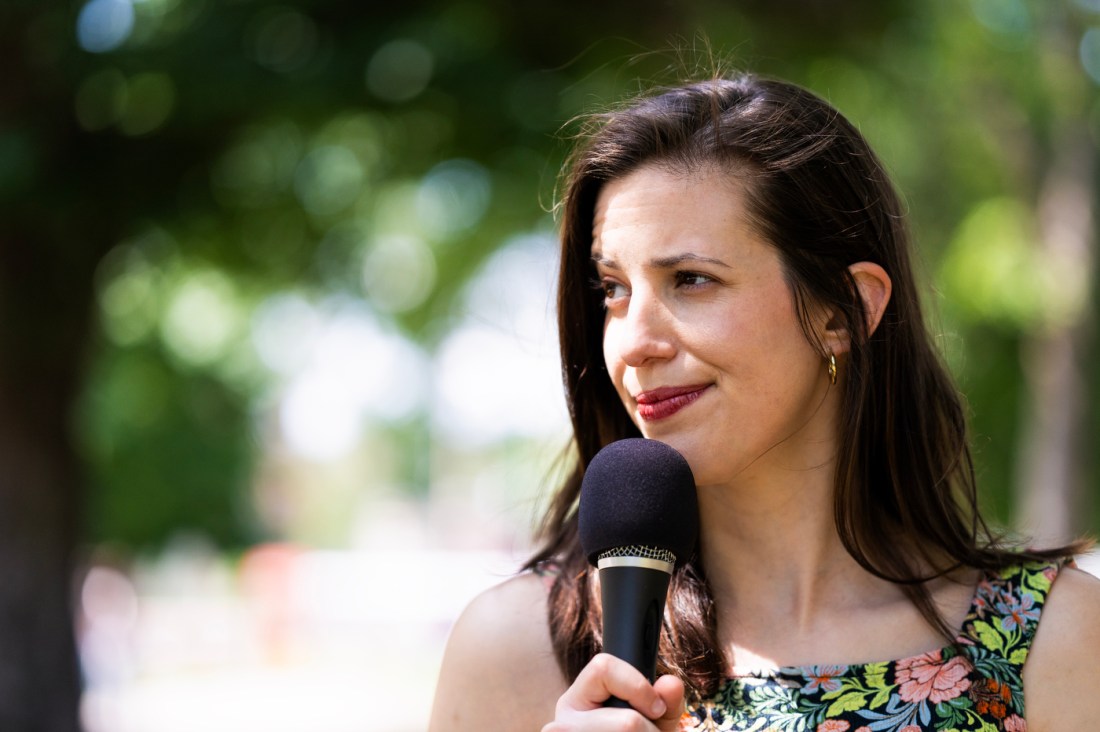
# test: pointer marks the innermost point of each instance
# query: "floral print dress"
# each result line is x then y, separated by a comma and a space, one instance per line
977, 690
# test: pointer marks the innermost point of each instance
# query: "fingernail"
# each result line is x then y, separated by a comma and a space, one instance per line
659, 708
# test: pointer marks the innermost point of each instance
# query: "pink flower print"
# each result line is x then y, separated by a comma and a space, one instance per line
833, 725
983, 594
864, 728
1016, 612
910, 728
928, 677
1015, 723
986, 596
823, 678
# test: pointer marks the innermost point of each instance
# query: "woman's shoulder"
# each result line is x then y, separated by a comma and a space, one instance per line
1061, 674
512, 599
499, 670
513, 612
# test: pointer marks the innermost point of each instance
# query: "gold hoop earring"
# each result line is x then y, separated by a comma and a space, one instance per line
832, 369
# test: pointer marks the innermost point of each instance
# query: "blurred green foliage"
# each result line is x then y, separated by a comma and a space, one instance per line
217, 153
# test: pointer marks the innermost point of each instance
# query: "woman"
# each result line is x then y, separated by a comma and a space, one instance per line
735, 282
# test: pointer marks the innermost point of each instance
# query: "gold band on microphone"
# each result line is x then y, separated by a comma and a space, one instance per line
645, 562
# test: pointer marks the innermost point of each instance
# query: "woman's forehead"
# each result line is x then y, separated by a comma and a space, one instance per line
658, 212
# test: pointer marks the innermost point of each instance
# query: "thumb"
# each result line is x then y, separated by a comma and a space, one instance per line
671, 690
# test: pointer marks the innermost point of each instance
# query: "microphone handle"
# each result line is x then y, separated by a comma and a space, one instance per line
633, 600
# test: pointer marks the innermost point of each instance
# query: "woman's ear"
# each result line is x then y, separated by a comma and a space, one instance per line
874, 289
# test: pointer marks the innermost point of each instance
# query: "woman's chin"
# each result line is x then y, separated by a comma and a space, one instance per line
692, 451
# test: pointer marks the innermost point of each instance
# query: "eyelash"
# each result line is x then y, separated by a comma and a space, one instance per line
602, 285
682, 278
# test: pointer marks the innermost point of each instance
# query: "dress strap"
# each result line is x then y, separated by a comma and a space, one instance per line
1005, 611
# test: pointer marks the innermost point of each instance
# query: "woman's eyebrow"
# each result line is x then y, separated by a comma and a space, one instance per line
600, 260
677, 259
663, 262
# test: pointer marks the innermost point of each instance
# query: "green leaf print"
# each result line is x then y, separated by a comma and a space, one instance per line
1038, 583
876, 675
989, 637
881, 697
847, 703
955, 711
772, 698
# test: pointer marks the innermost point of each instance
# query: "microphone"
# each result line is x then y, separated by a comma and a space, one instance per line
638, 520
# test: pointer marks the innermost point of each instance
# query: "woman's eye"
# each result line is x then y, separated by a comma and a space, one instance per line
691, 279
612, 290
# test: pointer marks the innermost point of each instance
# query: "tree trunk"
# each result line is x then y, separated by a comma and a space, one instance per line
1051, 480
53, 231
44, 308
39, 679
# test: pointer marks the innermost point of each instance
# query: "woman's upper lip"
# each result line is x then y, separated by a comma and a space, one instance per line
661, 393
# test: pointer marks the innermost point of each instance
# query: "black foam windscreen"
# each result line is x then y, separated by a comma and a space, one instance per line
638, 492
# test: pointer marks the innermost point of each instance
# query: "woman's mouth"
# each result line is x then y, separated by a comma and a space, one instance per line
666, 401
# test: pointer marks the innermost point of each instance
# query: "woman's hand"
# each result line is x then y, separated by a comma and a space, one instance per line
656, 706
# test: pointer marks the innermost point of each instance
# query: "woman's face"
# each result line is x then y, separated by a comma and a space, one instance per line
701, 337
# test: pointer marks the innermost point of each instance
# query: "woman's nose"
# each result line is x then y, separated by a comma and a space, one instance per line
643, 333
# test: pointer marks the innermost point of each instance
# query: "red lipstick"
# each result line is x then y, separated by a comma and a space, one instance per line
667, 400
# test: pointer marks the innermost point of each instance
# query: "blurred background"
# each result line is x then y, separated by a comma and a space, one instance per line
278, 385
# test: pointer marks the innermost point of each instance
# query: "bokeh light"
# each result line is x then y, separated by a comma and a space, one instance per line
150, 99
341, 367
328, 180
496, 370
204, 317
260, 166
1089, 53
1006, 17
399, 71
104, 25
453, 197
130, 285
399, 272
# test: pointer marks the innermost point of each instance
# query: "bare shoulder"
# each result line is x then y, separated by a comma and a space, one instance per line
1061, 674
499, 670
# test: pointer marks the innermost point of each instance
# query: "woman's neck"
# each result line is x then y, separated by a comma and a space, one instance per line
777, 538
780, 576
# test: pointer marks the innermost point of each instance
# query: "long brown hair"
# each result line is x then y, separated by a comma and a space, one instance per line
817, 192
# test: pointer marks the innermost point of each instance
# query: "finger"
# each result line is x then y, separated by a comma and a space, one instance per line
606, 676
603, 718
671, 690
